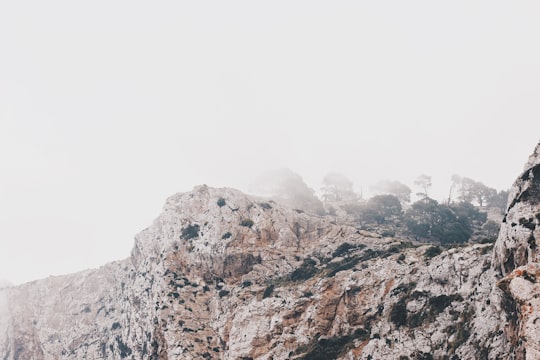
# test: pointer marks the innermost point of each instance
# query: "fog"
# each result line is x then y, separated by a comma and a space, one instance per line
107, 108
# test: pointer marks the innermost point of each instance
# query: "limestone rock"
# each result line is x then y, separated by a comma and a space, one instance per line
221, 275
517, 259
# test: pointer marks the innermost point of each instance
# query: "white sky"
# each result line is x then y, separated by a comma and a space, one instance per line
108, 107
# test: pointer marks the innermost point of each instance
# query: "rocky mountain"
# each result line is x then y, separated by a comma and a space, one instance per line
221, 275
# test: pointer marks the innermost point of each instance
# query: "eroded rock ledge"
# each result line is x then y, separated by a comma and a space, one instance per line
221, 275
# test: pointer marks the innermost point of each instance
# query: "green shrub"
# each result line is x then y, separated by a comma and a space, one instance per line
190, 232
345, 264
403, 288
247, 223
398, 314
342, 249
305, 271
432, 252
330, 348
221, 202
268, 291
226, 235
265, 206
441, 302
388, 233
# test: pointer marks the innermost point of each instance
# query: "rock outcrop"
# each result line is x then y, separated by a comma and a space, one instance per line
517, 258
221, 275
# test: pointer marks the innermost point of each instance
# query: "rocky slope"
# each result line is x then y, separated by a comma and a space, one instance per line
220, 275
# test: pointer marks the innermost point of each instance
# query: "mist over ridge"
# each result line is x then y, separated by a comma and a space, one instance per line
102, 116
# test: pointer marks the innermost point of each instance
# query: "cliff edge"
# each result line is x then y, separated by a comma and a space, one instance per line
222, 275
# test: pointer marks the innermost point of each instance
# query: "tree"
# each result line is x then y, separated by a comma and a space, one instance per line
424, 183
470, 190
491, 230
419, 218
444, 223
456, 180
337, 187
482, 193
399, 190
469, 213
382, 208
287, 187
498, 200
466, 189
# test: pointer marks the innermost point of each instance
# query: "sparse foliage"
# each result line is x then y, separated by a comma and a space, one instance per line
190, 232
470, 190
381, 208
246, 223
289, 188
337, 187
447, 224
396, 188
490, 230
424, 183
498, 200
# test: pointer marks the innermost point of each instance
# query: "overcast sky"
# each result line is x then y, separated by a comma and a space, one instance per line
108, 107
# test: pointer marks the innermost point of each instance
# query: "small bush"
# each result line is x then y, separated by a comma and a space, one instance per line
342, 249
398, 314
190, 232
268, 291
265, 206
221, 202
226, 235
441, 302
388, 233
305, 271
432, 252
247, 223
487, 240
330, 348
223, 293
345, 264
403, 288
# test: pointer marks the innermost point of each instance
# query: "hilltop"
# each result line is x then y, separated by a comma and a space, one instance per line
222, 275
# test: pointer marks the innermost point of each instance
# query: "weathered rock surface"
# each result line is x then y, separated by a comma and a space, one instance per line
517, 258
220, 275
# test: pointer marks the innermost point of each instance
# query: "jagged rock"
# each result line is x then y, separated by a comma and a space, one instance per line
221, 275
517, 260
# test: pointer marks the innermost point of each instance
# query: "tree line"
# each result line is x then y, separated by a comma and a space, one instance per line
453, 221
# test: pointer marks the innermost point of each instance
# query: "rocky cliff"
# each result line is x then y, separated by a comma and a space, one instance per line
220, 275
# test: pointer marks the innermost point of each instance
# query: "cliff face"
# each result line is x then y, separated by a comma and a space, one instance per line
220, 275
517, 258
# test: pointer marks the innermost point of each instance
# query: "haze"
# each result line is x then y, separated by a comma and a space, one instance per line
107, 108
